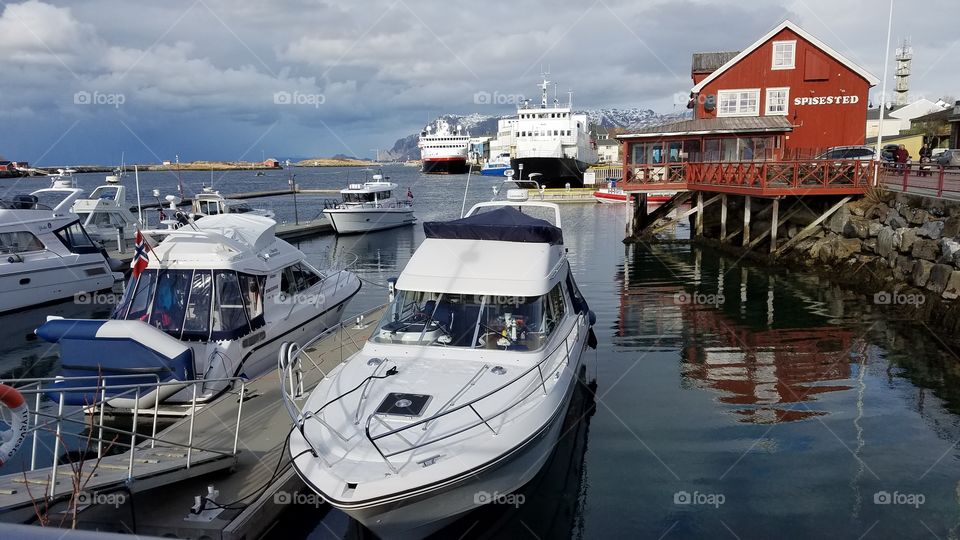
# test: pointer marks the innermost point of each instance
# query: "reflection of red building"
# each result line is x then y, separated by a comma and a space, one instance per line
770, 373
788, 94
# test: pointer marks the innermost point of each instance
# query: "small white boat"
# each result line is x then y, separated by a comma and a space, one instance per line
216, 300
45, 255
118, 173
211, 203
612, 194
370, 206
465, 382
105, 212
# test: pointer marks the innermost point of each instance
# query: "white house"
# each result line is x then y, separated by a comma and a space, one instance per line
899, 118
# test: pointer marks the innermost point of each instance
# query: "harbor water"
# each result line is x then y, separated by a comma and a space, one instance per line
730, 400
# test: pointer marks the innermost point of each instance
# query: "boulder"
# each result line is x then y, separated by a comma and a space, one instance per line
908, 237
921, 273
838, 221
870, 245
880, 212
857, 227
926, 250
915, 216
952, 290
844, 248
903, 269
888, 241
873, 228
951, 227
930, 229
948, 250
939, 276
897, 221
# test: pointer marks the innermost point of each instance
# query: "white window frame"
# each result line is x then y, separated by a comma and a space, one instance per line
793, 55
739, 111
786, 102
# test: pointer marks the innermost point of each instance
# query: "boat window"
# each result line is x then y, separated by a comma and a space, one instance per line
252, 287
229, 313
170, 300
75, 238
576, 297
496, 322
19, 242
297, 278
99, 219
212, 208
196, 323
139, 301
104, 193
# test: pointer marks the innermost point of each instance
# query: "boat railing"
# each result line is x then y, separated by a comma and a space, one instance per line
99, 431
536, 377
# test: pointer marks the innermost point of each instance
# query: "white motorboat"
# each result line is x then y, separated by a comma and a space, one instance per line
118, 173
216, 300
458, 397
45, 255
211, 203
370, 206
106, 213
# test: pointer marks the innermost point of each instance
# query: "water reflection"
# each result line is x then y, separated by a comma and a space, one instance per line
724, 321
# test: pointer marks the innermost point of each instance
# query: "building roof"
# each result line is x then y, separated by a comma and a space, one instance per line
608, 142
708, 62
803, 34
706, 126
939, 116
874, 113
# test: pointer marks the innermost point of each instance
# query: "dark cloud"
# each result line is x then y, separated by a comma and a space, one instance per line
225, 79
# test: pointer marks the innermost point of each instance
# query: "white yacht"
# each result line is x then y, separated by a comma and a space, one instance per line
118, 173
463, 385
216, 300
443, 150
105, 212
554, 142
211, 203
45, 255
370, 206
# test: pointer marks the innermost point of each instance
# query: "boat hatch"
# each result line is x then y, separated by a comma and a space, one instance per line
409, 405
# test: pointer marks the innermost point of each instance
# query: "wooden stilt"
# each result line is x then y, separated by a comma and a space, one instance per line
723, 217
808, 230
699, 219
773, 225
746, 221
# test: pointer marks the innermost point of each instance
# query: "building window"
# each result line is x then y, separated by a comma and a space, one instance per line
777, 99
738, 102
784, 54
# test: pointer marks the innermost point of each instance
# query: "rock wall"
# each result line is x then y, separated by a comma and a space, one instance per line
903, 249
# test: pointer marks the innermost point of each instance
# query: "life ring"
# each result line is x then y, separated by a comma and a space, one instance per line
11, 439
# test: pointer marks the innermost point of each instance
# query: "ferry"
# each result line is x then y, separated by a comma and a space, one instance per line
443, 150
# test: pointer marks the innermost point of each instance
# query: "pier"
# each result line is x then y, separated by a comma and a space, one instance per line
248, 425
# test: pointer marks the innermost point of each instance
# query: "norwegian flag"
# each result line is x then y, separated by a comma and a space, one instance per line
409, 194
140, 258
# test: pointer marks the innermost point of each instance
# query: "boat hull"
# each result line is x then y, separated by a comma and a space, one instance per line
54, 282
445, 166
554, 172
495, 171
361, 220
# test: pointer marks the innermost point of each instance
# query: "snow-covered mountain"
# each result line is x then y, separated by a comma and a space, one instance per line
481, 124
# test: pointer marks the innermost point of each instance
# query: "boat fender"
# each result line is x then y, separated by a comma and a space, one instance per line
591, 317
13, 437
591, 339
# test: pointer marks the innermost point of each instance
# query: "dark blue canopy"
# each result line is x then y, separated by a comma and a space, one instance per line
506, 224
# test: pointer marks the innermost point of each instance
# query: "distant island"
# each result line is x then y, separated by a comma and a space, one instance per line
338, 160
269, 164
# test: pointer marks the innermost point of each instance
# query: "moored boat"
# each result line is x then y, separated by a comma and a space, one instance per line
465, 381
213, 300
370, 206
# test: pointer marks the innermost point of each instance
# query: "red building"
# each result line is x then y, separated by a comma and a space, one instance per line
787, 95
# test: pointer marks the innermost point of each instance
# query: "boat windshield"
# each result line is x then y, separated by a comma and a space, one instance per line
195, 304
105, 193
513, 323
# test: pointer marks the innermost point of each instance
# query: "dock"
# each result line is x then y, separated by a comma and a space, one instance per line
187, 201
254, 485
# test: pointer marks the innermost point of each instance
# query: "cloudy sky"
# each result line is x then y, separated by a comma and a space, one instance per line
85, 80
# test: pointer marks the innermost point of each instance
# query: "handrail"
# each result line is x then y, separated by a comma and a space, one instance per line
289, 363
40, 386
470, 404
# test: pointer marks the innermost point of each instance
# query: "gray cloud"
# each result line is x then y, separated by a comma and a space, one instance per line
202, 78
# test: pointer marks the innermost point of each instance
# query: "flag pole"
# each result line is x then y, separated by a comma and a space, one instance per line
883, 97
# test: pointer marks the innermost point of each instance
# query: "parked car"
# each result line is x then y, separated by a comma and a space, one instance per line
950, 158
860, 153
889, 152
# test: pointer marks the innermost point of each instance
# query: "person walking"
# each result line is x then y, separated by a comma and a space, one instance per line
926, 156
902, 156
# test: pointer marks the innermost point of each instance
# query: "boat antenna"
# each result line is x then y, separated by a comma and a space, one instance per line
570, 98
463, 207
179, 179
136, 177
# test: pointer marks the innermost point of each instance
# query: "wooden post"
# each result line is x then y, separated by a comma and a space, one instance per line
699, 213
723, 217
746, 221
640, 210
630, 232
773, 224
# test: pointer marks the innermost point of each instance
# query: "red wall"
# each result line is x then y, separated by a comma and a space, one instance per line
815, 75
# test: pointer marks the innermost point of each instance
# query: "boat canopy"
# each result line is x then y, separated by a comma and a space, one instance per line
506, 224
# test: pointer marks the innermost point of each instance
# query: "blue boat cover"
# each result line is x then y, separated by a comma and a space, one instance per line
506, 224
